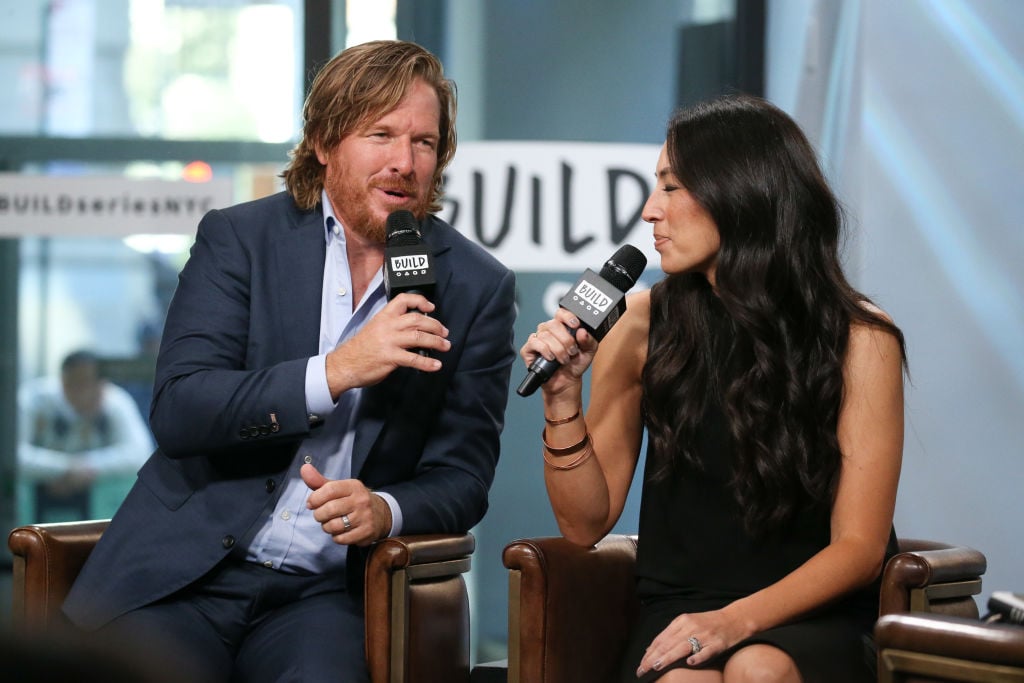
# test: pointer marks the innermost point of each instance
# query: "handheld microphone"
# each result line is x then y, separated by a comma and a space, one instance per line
597, 301
408, 264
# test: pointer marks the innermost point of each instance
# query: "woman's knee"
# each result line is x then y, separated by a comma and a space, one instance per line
761, 664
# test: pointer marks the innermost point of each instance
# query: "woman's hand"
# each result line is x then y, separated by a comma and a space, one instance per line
563, 340
695, 638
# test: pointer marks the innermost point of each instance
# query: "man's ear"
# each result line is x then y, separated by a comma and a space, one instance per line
321, 156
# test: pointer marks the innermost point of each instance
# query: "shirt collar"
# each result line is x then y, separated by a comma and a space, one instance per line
332, 226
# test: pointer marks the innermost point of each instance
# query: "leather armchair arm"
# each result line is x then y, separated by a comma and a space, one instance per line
47, 558
953, 637
932, 577
570, 608
417, 608
949, 648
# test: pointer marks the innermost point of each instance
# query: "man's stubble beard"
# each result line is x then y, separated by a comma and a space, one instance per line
353, 201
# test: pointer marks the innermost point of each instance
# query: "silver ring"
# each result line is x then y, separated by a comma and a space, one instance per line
346, 522
695, 645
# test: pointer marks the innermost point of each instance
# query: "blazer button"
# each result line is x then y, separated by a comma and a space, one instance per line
271, 485
228, 541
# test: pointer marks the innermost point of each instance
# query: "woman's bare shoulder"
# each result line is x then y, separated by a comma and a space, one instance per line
638, 307
872, 342
636, 320
629, 335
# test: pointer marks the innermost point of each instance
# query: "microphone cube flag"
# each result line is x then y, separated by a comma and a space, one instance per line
408, 268
597, 303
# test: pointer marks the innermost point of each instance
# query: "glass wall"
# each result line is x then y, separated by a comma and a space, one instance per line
110, 99
175, 69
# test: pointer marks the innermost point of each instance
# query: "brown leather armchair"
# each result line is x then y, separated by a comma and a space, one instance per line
920, 648
417, 607
570, 607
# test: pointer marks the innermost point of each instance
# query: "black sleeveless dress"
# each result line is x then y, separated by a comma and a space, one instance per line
694, 555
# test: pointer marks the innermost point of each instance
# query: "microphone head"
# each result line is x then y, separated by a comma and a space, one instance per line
402, 229
624, 267
408, 264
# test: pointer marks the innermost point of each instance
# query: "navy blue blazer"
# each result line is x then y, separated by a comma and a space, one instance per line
229, 409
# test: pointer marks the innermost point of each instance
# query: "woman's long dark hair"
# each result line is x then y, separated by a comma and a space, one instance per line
779, 373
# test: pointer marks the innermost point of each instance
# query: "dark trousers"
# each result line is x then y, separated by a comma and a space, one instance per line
246, 623
71, 506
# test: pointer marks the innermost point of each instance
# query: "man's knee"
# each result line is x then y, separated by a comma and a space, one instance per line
171, 640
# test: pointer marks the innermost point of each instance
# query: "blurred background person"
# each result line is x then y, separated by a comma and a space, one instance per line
74, 431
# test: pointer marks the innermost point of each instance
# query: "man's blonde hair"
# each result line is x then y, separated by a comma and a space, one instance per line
354, 89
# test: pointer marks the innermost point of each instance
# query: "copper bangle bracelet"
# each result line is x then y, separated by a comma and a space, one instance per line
568, 450
562, 421
580, 459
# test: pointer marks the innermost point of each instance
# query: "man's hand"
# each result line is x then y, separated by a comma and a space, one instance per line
389, 340
335, 501
78, 478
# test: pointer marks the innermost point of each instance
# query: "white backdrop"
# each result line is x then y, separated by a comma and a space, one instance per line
918, 107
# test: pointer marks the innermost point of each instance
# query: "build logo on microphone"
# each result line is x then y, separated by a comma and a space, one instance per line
409, 265
591, 296
596, 302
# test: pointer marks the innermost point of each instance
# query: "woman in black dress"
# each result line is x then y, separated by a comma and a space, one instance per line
772, 396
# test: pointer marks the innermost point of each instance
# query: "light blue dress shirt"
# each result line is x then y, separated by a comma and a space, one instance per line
290, 540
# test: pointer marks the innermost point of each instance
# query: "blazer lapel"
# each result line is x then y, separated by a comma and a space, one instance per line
302, 256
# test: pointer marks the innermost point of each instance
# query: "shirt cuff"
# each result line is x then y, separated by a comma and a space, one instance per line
318, 394
396, 513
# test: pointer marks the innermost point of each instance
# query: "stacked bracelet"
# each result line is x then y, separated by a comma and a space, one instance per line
583, 447
588, 451
568, 450
562, 421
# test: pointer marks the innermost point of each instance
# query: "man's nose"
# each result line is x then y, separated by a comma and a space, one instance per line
401, 160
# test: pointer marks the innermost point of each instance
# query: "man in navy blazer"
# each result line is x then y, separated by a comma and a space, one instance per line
296, 421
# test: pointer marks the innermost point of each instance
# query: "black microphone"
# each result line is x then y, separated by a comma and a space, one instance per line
408, 264
597, 301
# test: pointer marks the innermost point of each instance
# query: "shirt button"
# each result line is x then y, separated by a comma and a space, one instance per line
308, 459
342, 291
286, 515
336, 229
268, 564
